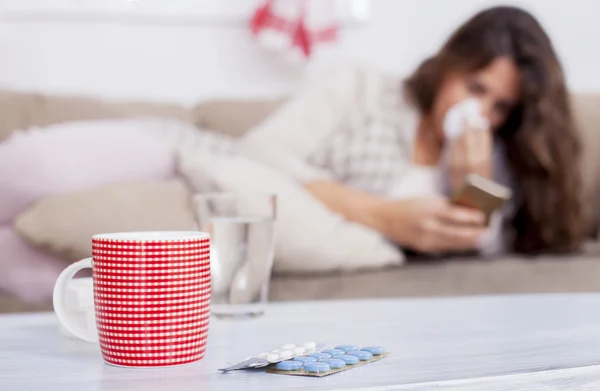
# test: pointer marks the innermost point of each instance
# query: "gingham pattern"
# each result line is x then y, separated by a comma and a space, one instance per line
372, 147
365, 157
152, 300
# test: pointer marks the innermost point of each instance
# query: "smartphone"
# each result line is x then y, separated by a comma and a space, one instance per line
483, 194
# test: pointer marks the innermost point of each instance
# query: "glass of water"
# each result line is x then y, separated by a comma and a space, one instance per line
242, 230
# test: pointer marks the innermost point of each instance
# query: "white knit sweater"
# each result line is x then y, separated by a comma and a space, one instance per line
357, 128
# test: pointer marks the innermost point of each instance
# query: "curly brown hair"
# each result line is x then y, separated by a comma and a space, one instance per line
542, 142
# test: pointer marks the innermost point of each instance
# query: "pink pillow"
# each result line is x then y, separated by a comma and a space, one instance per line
72, 156
24, 271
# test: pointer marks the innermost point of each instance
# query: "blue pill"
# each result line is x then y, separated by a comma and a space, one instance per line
333, 352
289, 365
335, 363
346, 348
319, 356
304, 359
349, 360
375, 350
317, 367
362, 355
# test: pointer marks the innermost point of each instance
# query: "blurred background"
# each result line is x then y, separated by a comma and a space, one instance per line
186, 50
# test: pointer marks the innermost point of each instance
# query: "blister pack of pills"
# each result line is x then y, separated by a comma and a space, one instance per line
286, 352
309, 360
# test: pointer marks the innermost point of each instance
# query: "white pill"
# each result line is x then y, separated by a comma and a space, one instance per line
272, 357
285, 354
288, 346
309, 345
298, 351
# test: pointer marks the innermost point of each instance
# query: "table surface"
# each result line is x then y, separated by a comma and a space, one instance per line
541, 342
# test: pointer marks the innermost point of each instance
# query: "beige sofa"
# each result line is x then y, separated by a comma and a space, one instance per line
509, 274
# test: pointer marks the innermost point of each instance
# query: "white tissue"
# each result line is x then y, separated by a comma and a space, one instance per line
467, 111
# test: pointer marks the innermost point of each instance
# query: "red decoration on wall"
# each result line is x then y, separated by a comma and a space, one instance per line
288, 22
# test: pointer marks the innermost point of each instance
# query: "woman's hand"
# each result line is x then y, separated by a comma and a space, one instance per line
427, 224
431, 224
471, 153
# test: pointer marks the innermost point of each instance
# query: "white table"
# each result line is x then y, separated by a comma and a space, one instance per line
490, 343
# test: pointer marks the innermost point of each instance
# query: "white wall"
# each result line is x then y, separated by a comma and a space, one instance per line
186, 63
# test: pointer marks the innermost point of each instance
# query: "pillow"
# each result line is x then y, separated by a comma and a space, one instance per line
62, 158
64, 225
310, 238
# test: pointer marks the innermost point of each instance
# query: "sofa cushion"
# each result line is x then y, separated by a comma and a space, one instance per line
63, 225
234, 117
23, 110
456, 277
586, 109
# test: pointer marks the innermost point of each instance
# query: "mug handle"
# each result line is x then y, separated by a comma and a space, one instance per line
60, 308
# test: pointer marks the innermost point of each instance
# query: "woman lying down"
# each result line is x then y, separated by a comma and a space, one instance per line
387, 152
384, 153
377, 150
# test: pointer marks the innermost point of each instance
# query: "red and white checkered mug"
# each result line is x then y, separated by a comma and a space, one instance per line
151, 297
